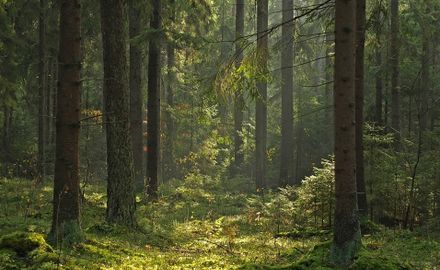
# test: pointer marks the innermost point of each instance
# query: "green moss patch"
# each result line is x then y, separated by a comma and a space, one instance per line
318, 259
22, 250
23, 243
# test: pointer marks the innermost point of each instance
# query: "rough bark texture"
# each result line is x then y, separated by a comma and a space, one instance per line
66, 200
50, 102
42, 112
120, 186
260, 107
379, 87
238, 101
153, 106
170, 125
346, 239
286, 162
136, 98
360, 46
395, 73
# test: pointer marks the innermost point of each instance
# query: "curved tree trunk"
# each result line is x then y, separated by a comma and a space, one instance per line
66, 200
120, 186
346, 238
286, 162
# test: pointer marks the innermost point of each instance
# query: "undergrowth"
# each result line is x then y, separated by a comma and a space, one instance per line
197, 223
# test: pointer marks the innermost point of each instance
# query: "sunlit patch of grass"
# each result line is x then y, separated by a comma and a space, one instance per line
196, 229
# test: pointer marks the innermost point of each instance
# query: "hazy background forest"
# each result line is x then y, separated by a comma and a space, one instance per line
219, 134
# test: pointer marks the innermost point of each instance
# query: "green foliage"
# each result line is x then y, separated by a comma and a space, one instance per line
317, 258
198, 223
315, 203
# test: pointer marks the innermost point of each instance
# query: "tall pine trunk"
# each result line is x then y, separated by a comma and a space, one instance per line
153, 106
239, 100
42, 107
424, 85
170, 125
66, 199
360, 46
136, 98
379, 87
346, 237
261, 102
120, 186
286, 162
6, 139
395, 73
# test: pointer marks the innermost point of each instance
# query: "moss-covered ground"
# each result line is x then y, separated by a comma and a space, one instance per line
187, 228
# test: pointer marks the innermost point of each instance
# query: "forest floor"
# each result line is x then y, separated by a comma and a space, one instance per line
188, 228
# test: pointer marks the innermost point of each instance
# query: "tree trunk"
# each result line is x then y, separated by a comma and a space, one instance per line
260, 108
379, 93
49, 102
300, 138
66, 201
6, 139
42, 112
360, 46
120, 186
346, 239
286, 162
394, 62
170, 125
424, 85
153, 112
136, 98
239, 100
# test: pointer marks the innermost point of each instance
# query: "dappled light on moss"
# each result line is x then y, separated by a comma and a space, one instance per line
22, 250
224, 230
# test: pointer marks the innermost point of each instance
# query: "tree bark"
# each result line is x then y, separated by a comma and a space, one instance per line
379, 87
153, 106
359, 88
346, 239
286, 162
120, 186
136, 98
169, 163
261, 102
42, 110
238, 100
424, 85
66, 201
6, 139
395, 73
